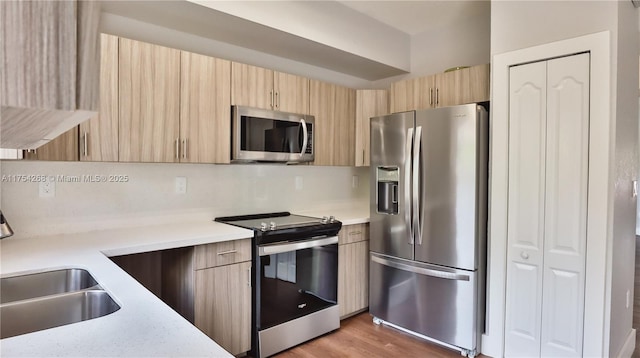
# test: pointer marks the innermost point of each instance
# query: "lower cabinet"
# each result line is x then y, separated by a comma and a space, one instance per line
353, 269
209, 285
223, 305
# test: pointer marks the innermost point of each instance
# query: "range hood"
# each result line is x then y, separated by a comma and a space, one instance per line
30, 128
50, 69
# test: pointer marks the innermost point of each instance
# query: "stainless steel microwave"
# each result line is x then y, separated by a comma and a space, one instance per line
270, 136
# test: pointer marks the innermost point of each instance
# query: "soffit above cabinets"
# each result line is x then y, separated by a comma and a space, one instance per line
325, 34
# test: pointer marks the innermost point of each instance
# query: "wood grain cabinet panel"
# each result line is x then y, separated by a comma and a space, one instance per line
222, 253
353, 233
205, 111
334, 110
353, 277
149, 97
99, 135
223, 305
452, 88
369, 103
291, 93
322, 106
263, 88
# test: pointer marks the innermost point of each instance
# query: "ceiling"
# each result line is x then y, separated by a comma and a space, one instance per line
370, 40
418, 16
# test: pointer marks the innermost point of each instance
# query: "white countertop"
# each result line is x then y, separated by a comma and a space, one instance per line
144, 325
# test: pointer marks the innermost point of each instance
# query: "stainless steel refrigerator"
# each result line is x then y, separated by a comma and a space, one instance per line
428, 223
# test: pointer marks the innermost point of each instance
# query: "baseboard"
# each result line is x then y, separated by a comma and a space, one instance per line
629, 345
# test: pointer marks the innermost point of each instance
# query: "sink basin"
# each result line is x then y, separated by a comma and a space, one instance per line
28, 316
44, 284
38, 301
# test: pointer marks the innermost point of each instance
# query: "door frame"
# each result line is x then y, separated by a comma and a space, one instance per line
600, 191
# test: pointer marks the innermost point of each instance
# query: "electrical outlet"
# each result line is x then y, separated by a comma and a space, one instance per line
47, 189
181, 185
355, 181
299, 182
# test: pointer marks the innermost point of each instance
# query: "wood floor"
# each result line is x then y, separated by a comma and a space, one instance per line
358, 336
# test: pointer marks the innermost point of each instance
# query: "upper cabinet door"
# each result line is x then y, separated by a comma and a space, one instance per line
344, 127
149, 96
205, 109
369, 103
322, 106
291, 93
252, 86
99, 135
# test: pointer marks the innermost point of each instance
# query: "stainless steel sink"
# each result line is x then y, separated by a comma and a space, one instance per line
44, 283
50, 299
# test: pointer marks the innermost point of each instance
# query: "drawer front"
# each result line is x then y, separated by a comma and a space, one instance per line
353, 233
222, 253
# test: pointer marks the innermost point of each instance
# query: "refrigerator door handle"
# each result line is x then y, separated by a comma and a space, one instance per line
407, 185
420, 270
417, 144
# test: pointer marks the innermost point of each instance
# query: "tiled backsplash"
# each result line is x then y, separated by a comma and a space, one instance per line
90, 196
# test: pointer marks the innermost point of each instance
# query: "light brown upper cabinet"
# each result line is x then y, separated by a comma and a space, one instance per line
369, 103
462, 86
149, 100
205, 111
99, 135
334, 110
50, 62
263, 88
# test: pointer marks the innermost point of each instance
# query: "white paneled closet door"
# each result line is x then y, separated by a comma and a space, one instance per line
548, 162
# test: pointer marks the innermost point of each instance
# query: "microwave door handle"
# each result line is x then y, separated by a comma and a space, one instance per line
305, 136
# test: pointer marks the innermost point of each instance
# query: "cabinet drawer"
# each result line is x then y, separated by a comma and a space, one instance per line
222, 253
353, 233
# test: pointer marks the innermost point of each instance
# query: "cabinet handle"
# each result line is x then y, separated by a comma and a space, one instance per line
184, 149
431, 96
271, 95
355, 233
437, 96
524, 255
634, 193
249, 274
177, 148
277, 100
363, 157
85, 146
227, 252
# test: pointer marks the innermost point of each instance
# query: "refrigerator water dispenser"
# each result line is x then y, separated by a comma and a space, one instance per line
387, 198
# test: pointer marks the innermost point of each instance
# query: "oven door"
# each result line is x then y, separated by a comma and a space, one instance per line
263, 135
296, 279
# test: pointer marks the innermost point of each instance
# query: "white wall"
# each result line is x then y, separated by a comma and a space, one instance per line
625, 171
149, 195
522, 24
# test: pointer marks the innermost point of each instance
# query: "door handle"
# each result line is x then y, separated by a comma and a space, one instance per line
407, 185
420, 270
305, 137
417, 143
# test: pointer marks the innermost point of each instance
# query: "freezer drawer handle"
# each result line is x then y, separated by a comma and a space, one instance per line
420, 270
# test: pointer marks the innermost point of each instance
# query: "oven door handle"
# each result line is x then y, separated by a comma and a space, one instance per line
293, 246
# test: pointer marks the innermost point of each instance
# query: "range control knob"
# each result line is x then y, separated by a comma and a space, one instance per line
324, 220
272, 225
332, 219
263, 226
